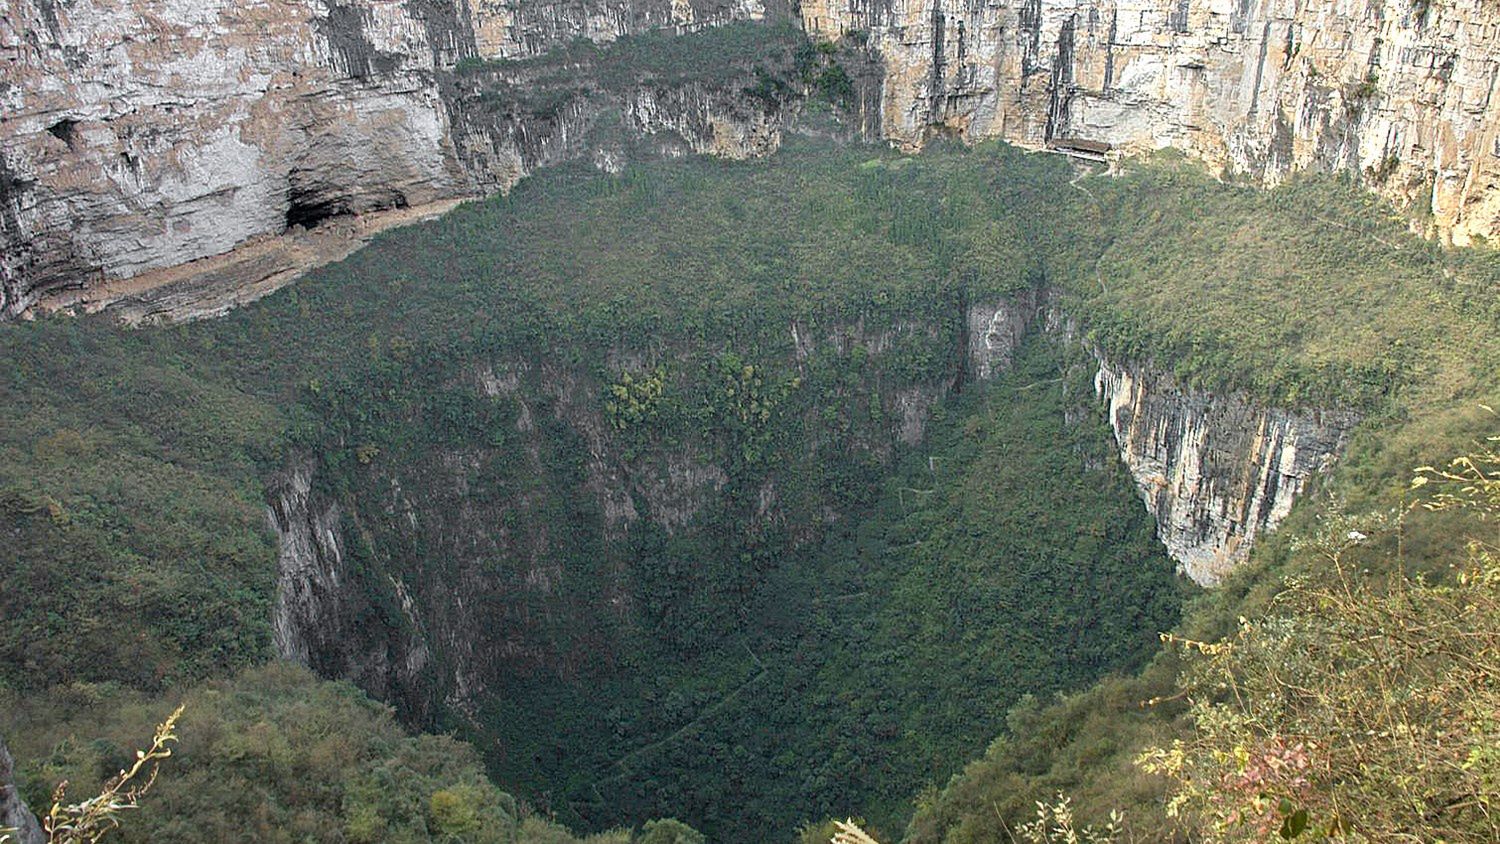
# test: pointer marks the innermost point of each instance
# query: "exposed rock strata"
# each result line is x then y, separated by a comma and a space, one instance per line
1215, 470
507, 122
138, 136
1397, 91
516, 28
323, 615
310, 560
213, 286
144, 135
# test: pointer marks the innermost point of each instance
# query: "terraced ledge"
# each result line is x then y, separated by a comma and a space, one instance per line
213, 286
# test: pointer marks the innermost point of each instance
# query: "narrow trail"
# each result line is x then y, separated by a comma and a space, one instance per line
1348, 228
623, 763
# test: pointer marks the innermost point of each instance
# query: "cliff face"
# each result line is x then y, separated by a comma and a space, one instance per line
1394, 90
144, 135
508, 120
1214, 470
138, 137
13, 812
515, 28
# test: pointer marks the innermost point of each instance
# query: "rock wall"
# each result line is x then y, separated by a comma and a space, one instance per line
1398, 91
13, 812
137, 136
1215, 470
516, 28
539, 121
142, 135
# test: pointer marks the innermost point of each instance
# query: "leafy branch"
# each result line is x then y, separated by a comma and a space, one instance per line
92, 819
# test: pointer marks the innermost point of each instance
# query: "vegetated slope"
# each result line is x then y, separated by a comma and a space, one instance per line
221, 402
1006, 557
375, 371
453, 388
1310, 292
666, 623
273, 754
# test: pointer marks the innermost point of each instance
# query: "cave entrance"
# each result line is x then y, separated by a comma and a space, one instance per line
310, 207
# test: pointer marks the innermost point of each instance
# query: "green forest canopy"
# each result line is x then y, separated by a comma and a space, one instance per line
132, 463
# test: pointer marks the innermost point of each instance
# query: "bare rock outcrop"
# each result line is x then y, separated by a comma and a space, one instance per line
143, 135
1215, 470
1396, 91
13, 812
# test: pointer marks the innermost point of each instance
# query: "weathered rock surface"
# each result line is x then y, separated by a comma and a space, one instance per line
515, 28
510, 121
1215, 470
13, 812
1395, 90
137, 136
141, 135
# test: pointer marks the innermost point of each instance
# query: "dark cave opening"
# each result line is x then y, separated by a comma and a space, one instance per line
310, 207
65, 130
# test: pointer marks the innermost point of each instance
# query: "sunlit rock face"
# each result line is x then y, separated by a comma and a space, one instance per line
516, 28
1396, 91
139, 135
142, 135
15, 817
1215, 470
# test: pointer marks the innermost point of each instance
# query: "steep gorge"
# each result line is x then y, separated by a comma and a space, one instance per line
786, 478
145, 136
471, 582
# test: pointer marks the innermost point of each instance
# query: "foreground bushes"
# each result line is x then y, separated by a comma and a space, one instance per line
276, 755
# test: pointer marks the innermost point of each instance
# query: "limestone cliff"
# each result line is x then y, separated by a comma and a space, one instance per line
514, 28
1396, 91
1215, 470
140, 136
136, 137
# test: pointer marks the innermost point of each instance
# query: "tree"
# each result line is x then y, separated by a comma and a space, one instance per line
669, 831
